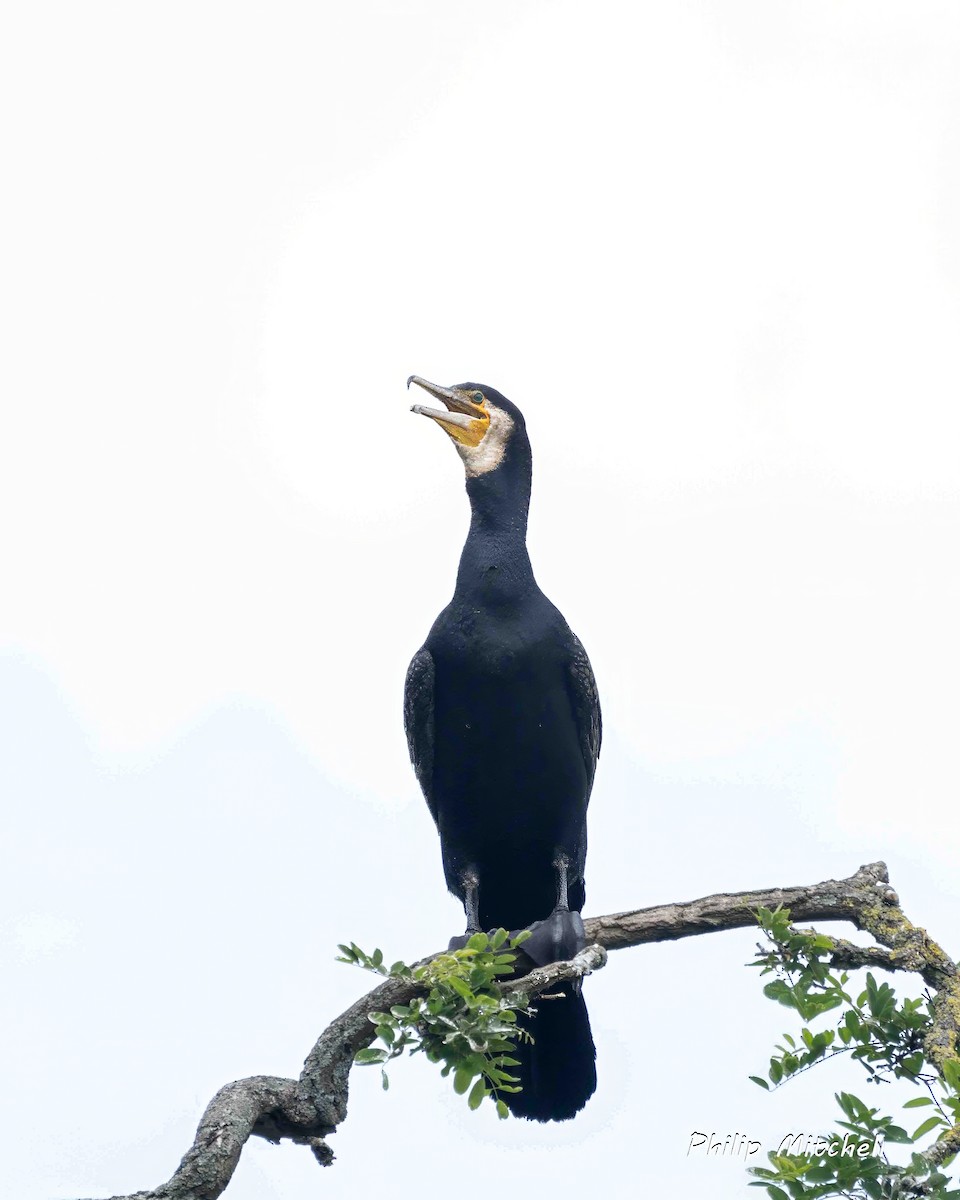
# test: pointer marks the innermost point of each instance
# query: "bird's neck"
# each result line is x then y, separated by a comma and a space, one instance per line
495, 566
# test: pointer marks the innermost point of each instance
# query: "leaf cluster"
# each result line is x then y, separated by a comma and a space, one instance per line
462, 1021
886, 1037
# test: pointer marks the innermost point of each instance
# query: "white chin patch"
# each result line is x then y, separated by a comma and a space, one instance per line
478, 460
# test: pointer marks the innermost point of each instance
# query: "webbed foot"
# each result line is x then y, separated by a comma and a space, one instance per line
558, 938
458, 943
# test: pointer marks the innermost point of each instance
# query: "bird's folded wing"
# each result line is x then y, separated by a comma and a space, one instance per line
586, 706
418, 721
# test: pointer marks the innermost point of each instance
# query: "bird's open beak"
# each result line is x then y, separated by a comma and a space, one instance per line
467, 418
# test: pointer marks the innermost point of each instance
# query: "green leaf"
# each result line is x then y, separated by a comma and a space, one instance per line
479, 941
760, 1082
369, 1055
462, 1079
918, 1102
928, 1124
384, 1080
502, 1111
776, 1193
951, 1073
461, 988
475, 1099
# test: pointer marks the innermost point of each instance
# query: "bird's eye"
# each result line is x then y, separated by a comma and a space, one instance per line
478, 396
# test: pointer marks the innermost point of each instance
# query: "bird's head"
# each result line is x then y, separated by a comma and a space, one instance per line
478, 420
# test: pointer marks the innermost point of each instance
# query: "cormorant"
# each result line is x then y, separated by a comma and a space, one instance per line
503, 724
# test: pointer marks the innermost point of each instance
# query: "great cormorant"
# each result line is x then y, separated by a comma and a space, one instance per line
503, 724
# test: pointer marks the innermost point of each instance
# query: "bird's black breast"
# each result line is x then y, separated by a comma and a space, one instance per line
509, 779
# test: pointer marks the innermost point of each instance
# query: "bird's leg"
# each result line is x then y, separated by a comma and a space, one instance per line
471, 906
561, 935
471, 902
561, 864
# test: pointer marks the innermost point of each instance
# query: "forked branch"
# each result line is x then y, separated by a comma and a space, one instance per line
306, 1110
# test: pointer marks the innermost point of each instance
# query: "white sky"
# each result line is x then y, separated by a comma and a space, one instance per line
711, 250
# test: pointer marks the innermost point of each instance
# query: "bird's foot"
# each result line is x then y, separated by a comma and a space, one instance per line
556, 939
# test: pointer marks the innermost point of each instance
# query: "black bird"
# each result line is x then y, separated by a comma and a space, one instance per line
503, 724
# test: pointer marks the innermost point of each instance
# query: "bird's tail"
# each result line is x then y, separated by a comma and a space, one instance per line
558, 1072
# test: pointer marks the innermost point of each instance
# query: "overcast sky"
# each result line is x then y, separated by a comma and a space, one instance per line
712, 252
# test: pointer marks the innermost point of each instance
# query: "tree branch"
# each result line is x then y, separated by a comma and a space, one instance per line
833, 900
306, 1110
